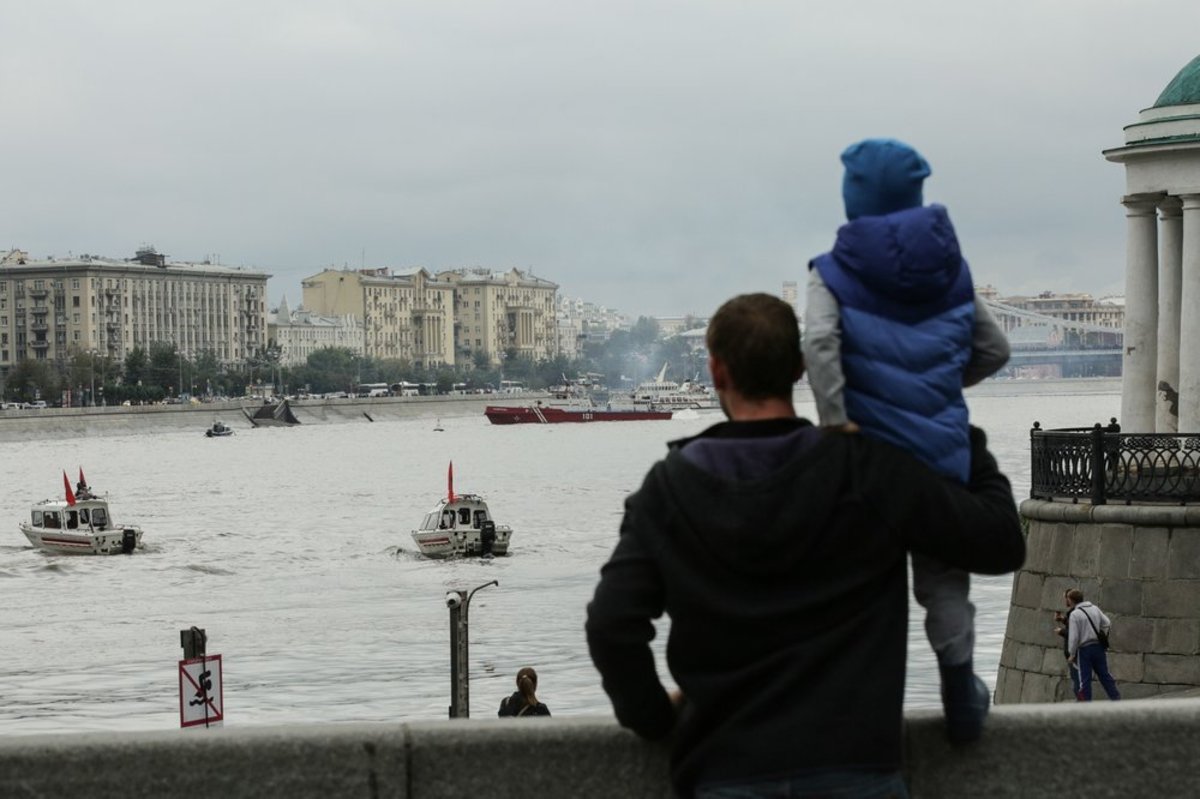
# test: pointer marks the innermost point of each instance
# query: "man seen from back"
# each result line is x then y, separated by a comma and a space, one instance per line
779, 551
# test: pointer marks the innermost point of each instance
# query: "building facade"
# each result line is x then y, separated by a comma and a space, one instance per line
495, 312
1106, 312
408, 316
298, 333
51, 309
1161, 156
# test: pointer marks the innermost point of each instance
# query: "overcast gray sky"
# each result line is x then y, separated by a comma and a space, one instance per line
653, 156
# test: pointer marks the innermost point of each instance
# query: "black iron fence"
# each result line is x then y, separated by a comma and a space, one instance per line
1101, 464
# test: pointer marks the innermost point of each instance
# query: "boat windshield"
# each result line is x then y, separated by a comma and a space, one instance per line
100, 517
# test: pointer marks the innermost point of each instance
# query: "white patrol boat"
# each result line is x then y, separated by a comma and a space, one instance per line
79, 525
461, 524
665, 394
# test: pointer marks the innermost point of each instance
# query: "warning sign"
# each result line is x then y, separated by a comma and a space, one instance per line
201, 697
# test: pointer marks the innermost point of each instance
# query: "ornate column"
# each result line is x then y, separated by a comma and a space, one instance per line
1138, 382
1170, 285
1189, 321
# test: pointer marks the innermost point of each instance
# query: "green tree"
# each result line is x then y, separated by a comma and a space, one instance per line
333, 369
164, 368
644, 332
136, 364
30, 380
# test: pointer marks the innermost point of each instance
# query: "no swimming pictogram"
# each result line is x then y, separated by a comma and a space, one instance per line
201, 693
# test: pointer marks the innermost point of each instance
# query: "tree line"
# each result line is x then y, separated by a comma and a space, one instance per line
161, 371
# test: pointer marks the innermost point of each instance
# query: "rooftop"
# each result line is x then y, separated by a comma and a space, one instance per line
1184, 88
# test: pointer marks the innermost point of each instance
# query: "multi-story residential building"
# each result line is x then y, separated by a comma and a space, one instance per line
495, 312
570, 334
53, 308
298, 333
408, 315
589, 323
791, 295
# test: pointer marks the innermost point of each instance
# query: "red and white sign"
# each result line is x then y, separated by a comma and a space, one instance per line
201, 695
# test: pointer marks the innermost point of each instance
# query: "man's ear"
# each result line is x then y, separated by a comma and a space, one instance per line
720, 375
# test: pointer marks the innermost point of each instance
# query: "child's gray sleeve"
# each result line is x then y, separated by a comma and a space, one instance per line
822, 347
989, 347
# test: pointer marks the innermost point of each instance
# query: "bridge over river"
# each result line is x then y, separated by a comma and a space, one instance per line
1050, 346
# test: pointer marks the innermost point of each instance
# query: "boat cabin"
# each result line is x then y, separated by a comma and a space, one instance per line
467, 512
88, 514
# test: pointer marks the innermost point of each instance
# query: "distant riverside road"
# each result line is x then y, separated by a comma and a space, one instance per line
118, 420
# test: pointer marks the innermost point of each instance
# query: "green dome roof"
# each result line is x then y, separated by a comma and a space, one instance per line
1184, 89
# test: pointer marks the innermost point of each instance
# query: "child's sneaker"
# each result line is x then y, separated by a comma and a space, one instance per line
964, 701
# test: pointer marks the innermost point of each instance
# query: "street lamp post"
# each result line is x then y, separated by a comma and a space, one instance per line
460, 691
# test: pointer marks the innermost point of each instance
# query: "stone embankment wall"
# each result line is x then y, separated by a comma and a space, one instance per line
1140, 564
123, 420
1021, 755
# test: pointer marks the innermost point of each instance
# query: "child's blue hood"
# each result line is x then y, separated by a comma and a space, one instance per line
910, 256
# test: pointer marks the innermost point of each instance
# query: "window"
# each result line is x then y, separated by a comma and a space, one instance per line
75, 300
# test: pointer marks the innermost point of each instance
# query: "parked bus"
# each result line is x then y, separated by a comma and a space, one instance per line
373, 390
405, 389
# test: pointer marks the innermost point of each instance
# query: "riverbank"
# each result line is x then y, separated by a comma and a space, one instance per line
54, 423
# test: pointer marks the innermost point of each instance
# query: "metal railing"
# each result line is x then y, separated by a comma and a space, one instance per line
1101, 464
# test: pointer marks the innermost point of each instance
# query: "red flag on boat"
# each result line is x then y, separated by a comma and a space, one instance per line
67, 488
449, 482
82, 481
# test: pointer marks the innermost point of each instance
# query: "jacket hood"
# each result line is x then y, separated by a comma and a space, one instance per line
726, 488
911, 256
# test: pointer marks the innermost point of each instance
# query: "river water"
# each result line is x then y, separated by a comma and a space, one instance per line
291, 547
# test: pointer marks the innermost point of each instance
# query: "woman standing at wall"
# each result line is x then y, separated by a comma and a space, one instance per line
524, 701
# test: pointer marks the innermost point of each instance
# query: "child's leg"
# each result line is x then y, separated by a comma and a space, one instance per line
950, 626
944, 592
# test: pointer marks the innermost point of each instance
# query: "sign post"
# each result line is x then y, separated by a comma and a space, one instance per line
201, 690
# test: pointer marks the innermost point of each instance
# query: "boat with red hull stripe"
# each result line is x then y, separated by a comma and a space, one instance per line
553, 414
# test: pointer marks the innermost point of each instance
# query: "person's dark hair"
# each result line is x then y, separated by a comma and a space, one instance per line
527, 685
1075, 595
757, 337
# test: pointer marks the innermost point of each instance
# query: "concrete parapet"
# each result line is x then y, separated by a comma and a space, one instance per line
1021, 755
1139, 563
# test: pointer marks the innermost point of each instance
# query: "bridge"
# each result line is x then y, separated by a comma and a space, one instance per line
1050, 346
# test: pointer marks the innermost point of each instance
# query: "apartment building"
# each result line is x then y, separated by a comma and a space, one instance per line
53, 308
407, 315
298, 333
495, 312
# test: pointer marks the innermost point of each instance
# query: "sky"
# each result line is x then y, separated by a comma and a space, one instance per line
653, 156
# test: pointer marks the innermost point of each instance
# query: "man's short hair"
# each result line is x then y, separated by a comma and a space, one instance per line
1075, 595
757, 337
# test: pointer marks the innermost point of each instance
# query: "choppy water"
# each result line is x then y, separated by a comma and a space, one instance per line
292, 548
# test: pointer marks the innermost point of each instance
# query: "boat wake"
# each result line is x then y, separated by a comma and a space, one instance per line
204, 568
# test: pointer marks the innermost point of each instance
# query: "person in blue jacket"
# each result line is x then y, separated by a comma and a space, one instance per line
893, 332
